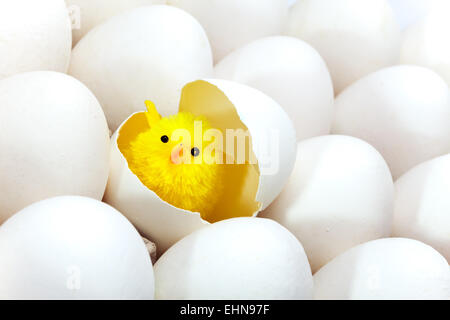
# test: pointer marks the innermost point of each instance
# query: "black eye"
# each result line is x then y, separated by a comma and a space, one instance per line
195, 151
165, 139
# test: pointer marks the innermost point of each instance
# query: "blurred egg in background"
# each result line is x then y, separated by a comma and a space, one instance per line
290, 71
354, 37
233, 23
426, 43
94, 12
34, 35
147, 53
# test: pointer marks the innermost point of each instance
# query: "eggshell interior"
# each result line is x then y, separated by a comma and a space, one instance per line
73, 248
56, 138
146, 53
233, 23
403, 111
386, 269
422, 204
94, 12
248, 187
239, 106
34, 35
340, 194
240, 258
291, 72
354, 37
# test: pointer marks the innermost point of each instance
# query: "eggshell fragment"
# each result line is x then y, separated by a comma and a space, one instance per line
94, 12
240, 258
422, 204
147, 53
427, 42
403, 111
249, 187
54, 140
233, 23
354, 37
291, 72
73, 248
385, 269
339, 195
34, 35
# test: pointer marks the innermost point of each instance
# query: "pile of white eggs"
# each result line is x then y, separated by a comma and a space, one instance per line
359, 208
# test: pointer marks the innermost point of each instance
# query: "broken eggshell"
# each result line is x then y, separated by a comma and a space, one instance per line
249, 187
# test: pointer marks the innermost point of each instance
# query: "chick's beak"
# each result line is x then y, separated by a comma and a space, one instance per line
176, 156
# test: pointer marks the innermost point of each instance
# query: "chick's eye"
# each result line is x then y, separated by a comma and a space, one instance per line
195, 152
165, 139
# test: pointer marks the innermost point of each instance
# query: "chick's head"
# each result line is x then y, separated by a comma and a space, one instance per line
170, 159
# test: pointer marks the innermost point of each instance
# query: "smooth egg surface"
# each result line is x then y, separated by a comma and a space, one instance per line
385, 269
291, 72
422, 204
73, 248
340, 195
233, 23
147, 53
90, 13
426, 42
34, 35
403, 111
55, 140
241, 258
354, 37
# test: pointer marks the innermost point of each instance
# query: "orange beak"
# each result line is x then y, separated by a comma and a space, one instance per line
176, 157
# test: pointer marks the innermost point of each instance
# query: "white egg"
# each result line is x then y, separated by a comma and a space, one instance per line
422, 204
233, 23
242, 258
94, 12
403, 111
354, 37
291, 72
34, 35
427, 42
409, 11
73, 248
147, 53
54, 138
340, 195
248, 188
385, 269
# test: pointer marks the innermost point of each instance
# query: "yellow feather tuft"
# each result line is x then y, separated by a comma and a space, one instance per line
192, 185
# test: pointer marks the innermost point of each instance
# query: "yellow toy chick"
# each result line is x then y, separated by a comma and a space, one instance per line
168, 162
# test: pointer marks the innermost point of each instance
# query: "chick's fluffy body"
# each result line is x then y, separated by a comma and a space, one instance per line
193, 185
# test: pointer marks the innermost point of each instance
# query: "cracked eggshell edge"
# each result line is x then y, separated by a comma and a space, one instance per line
165, 224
